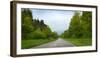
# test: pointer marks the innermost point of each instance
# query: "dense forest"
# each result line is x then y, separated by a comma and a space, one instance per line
35, 32
33, 29
80, 30
80, 26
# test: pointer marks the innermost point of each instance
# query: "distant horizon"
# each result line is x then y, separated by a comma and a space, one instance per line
57, 20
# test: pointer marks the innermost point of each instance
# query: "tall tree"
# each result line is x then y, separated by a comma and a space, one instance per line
86, 23
74, 28
80, 25
34, 28
27, 28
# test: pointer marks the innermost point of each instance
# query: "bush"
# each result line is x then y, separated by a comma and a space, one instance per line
27, 32
38, 35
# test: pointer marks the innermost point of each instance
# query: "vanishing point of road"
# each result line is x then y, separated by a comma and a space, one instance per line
57, 43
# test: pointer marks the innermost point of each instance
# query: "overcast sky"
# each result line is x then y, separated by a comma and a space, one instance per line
57, 20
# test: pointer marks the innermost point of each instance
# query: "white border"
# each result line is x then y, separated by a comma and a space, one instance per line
50, 50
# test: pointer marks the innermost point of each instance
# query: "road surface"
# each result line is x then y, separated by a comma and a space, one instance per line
57, 43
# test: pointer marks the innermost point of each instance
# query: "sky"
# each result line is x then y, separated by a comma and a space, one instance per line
57, 20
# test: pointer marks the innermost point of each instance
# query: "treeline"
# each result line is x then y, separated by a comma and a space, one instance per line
80, 26
35, 28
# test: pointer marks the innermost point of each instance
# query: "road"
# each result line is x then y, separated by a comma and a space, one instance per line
57, 43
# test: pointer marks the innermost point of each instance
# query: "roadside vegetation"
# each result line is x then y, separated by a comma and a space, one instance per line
80, 29
34, 42
34, 31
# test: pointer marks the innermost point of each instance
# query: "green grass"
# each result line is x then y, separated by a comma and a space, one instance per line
34, 42
80, 41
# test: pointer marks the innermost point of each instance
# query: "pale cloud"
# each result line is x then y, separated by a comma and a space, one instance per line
57, 20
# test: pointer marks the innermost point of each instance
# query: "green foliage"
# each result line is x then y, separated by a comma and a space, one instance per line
54, 35
34, 28
27, 27
39, 35
80, 41
74, 28
80, 26
34, 31
30, 43
86, 24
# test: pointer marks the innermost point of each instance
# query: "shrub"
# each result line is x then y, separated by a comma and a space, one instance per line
39, 35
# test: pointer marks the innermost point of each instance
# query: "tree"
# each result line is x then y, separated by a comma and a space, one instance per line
33, 28
74, 28
86, 23
80, 25
27, 28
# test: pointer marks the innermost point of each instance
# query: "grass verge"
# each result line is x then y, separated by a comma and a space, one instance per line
80, 41
25, 44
